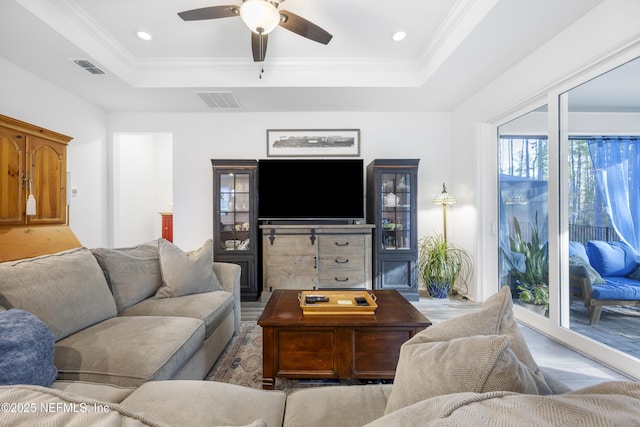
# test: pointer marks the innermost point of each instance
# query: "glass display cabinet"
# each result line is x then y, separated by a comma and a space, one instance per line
235, 222
392, 186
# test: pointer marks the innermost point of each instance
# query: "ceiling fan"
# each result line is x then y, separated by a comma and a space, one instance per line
261, 16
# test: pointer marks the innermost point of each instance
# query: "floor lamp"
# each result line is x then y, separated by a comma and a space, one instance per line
444, 199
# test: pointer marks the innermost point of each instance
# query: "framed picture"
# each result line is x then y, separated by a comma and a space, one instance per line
313, 142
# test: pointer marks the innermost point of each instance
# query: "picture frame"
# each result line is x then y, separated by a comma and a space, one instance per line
313, 142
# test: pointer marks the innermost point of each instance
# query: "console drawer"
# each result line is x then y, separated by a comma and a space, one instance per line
341, 278
341, 244
341, 262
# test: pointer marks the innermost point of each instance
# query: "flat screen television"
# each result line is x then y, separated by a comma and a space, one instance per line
311, 189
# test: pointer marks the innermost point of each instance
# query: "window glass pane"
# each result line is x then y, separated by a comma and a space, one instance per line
396, 211
235, 208
523, 165
602, 139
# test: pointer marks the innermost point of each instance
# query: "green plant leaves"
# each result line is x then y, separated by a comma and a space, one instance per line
441, 263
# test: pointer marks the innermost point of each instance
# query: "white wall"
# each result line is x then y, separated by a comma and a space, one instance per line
197, 138
27, 97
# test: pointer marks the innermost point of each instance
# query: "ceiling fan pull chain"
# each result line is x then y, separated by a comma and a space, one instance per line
261, 54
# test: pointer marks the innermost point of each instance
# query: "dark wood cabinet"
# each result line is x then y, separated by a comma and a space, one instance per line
235, 220
392, 188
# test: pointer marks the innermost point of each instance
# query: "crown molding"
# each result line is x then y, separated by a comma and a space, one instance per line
72, 22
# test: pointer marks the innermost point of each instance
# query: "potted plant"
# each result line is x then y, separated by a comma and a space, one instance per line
533, 275
534, 298
441, 264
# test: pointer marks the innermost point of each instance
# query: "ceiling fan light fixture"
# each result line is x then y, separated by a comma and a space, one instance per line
261, 16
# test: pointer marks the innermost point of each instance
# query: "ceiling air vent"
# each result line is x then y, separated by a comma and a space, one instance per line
89, 67
219, 99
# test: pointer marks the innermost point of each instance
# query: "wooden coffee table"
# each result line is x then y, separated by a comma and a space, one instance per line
335, 346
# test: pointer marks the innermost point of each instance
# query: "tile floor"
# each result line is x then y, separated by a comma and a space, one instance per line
568, 366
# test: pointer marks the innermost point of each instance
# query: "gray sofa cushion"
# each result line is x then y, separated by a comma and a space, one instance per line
47, 407
186, 273
104, 392
128, 351
479, 364
495, 317
336, 406
133, 274
26, 350
207, 403
607, 404
210, 307
46, 286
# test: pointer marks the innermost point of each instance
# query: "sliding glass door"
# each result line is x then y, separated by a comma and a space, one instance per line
568, 215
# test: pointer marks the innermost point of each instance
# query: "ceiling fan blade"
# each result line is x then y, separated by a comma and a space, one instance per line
212, 12
259, 47
304, 28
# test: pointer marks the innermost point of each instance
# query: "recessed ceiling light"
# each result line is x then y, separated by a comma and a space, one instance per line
400, 35
143, 35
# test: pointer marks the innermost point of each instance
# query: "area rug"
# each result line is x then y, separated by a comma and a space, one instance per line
241, 363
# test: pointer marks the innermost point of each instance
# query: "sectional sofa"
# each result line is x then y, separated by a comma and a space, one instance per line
604, 273
474, 369
122, 317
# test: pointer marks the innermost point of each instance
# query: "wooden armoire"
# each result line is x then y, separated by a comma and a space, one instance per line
33, 160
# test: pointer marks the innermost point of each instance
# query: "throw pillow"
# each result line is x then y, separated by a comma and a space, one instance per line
133, 274
478, 364
186, 273
611, 259
48, 286
593, 275
26, 350
635, 274
495, 317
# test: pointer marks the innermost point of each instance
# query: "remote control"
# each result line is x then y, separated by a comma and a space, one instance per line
361, 301
312, 299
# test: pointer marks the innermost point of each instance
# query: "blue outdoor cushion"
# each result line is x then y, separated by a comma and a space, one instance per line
617, 288
611, 259
26, 350
577, 248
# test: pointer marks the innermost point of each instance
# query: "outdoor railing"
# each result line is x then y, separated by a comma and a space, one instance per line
584, 233
578, 233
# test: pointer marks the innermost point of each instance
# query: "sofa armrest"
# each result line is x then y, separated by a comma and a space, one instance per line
229, 276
